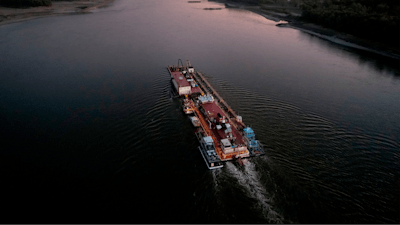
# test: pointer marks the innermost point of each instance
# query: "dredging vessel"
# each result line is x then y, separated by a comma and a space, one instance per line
220, 131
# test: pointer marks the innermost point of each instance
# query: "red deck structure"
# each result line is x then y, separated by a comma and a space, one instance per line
212, 110
196, 90
181, 82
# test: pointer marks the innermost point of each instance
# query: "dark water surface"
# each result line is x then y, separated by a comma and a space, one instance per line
90, 132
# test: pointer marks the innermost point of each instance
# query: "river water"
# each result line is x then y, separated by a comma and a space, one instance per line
91, 133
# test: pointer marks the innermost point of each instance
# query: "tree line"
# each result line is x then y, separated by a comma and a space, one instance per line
24, 3
27, 3
374, 19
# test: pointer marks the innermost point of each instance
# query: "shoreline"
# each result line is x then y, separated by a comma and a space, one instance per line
274, 12
15, 15
291, 19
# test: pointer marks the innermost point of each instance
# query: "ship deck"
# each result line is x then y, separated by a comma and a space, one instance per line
212, 110
196, 90
183, 81
208, 112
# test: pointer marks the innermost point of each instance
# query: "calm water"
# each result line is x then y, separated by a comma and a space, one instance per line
91, 133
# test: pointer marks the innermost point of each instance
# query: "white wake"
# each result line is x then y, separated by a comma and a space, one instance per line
249, 179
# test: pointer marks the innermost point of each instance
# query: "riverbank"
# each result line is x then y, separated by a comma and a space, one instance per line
13, 15
289, 16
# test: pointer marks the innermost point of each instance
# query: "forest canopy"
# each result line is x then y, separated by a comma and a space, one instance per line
375, 19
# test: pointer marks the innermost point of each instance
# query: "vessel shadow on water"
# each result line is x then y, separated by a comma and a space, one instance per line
220, 131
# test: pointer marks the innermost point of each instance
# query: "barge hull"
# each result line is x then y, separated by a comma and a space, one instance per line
222, 134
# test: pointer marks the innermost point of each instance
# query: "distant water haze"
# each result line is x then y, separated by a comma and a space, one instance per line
88, 118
